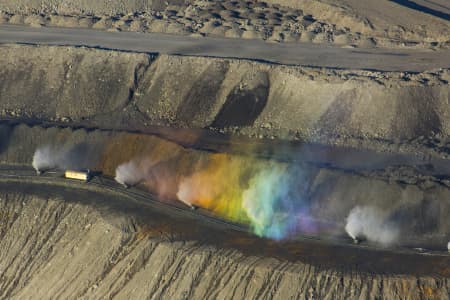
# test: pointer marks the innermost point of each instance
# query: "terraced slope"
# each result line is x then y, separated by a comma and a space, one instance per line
390, 111
69, 244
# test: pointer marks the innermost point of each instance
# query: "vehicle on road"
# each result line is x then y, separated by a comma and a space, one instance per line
78, 175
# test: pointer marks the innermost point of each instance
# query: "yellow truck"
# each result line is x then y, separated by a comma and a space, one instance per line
78, 175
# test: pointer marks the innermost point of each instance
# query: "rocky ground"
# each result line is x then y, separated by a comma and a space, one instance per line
55, 244
277, 21
382, 111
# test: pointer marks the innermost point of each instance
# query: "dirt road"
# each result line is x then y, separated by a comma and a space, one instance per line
303, 54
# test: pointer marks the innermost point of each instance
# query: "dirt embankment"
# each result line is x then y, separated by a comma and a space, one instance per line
346, 24
407, 23
382, 111
81, 247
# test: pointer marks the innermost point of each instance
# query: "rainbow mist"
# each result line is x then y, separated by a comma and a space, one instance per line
266, 195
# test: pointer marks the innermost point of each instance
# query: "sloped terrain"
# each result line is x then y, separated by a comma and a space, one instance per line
384, 111
55, 244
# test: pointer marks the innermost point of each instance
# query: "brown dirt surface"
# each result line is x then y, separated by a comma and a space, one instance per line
382, 111
76, 243
404, 21
346, 23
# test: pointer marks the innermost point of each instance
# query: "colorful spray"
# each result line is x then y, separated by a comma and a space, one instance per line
266, 195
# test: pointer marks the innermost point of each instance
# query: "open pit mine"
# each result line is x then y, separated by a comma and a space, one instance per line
224, 149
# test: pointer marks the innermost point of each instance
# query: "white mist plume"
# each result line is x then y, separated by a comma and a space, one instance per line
78, 156
370, 223
130, 173
45, 158
184, 193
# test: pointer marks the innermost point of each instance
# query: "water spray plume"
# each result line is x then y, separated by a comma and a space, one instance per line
129, 173
44, 158
216, 186
372, 224
259, 200
266, 195
78, 157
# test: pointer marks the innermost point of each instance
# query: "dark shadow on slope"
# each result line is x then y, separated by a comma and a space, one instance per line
424, 9
5, 135
437, 4
242, 107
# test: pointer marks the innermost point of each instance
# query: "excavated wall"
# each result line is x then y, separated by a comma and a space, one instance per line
108, 88
54, 248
